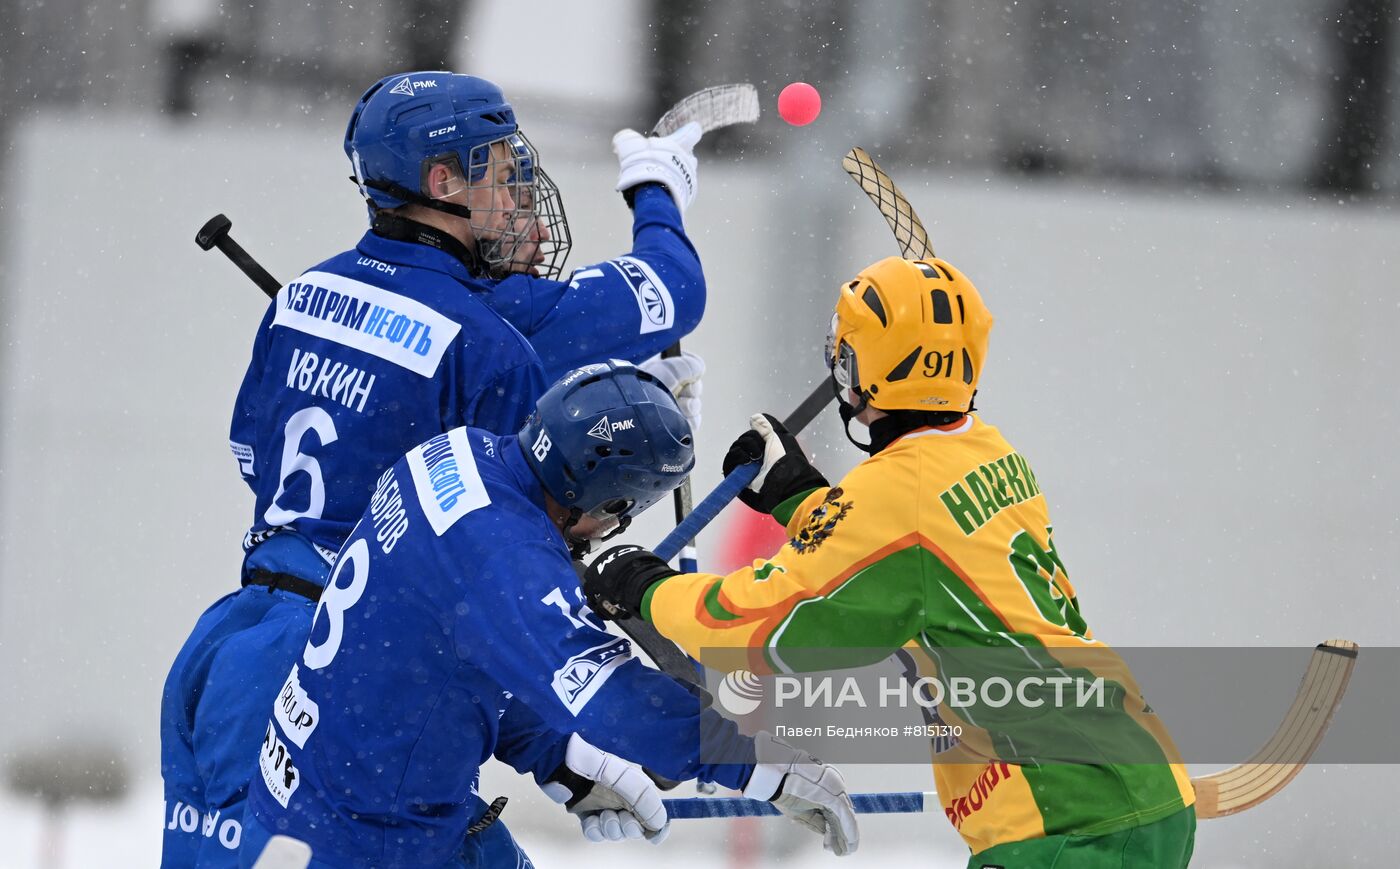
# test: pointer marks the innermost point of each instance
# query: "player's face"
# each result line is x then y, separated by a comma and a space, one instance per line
503, 212
492, 197
530, 233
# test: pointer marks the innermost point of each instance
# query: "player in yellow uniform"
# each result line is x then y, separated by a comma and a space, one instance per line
942, 539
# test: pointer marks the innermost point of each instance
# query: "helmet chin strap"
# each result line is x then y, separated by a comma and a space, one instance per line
578, 546
400, 192
848, 413
489, 250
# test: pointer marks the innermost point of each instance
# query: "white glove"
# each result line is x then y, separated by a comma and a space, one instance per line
618, 801
666, 160
680, 374
786, 471
806, 790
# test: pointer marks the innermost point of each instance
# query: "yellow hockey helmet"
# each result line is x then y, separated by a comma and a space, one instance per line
910, 335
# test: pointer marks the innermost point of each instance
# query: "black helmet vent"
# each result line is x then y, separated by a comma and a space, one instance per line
901, 371
872, 300
942, 309
408, 114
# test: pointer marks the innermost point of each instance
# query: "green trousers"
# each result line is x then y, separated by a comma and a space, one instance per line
1166, 844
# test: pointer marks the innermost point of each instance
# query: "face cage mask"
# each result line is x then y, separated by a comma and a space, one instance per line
519, 223
841, 362
845, 376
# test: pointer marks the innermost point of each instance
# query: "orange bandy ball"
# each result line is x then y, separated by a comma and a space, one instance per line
799, 104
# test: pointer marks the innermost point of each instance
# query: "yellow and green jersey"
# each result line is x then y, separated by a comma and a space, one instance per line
943, 540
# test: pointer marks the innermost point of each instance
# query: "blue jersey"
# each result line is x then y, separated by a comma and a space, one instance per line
357, 360
629, 307
453, 599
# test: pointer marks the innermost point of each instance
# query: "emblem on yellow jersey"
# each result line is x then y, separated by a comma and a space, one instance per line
820, 525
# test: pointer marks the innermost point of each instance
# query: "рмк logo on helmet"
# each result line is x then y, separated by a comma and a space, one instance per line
603, 429
740, 692
406, 85
600, 430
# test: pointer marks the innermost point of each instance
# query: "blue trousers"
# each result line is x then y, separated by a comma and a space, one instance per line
214, 711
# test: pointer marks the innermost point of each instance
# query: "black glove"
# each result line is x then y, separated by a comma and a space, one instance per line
618, 579
786, 470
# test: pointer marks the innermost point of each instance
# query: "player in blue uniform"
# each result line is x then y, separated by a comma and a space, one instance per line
633, 306
455, 598
378, 348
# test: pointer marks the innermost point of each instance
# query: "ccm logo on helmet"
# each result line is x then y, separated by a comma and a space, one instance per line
444, 131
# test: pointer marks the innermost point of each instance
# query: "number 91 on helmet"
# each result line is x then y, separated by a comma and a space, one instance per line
909, 335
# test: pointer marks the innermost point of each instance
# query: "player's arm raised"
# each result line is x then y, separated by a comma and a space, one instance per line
635, 305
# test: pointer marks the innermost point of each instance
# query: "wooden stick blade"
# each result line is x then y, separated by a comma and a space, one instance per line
899, 214
714, 107
1285, 754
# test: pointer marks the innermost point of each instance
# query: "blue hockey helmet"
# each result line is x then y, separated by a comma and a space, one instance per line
608, 441
408, 122
406, 119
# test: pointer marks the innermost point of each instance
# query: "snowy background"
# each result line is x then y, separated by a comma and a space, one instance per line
1192, 272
